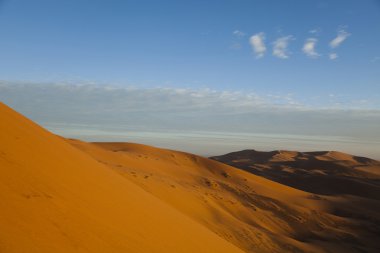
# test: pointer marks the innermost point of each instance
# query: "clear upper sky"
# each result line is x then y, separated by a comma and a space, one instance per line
306, 48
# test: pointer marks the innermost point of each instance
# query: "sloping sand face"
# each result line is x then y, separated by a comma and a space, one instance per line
256, 214
55, 198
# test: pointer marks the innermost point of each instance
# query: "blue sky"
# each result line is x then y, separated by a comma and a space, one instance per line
238, 66
192, 44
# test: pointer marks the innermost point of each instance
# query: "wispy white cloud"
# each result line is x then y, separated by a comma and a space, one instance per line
315, 31
257, 42
131, 99
333, 56
238, 33
339, 39
309, 48
280, 47
92, 97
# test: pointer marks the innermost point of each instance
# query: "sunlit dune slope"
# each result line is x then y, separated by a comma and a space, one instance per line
55, 198
255, 214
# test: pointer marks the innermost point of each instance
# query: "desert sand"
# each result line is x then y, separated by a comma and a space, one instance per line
56, 198
64, 195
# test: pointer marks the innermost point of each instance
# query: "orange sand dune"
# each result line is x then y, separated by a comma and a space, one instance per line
55, 198
255, 214
62, 195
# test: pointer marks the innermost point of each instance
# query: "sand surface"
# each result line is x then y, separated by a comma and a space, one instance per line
56, 198
61, 195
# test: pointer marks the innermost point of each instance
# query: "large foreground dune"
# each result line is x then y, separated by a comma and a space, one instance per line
62, 195
55, 198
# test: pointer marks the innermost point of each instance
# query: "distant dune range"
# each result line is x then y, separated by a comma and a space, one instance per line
61, 195
325, 172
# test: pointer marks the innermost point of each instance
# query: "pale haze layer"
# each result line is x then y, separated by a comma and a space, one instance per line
204, 122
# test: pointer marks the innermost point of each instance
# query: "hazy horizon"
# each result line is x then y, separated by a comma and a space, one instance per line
203, 122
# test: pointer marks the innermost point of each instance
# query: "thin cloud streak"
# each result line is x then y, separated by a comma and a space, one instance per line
238, 33
339, 39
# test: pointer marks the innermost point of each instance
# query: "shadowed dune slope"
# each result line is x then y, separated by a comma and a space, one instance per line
55, 198
255, 214
323, 172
